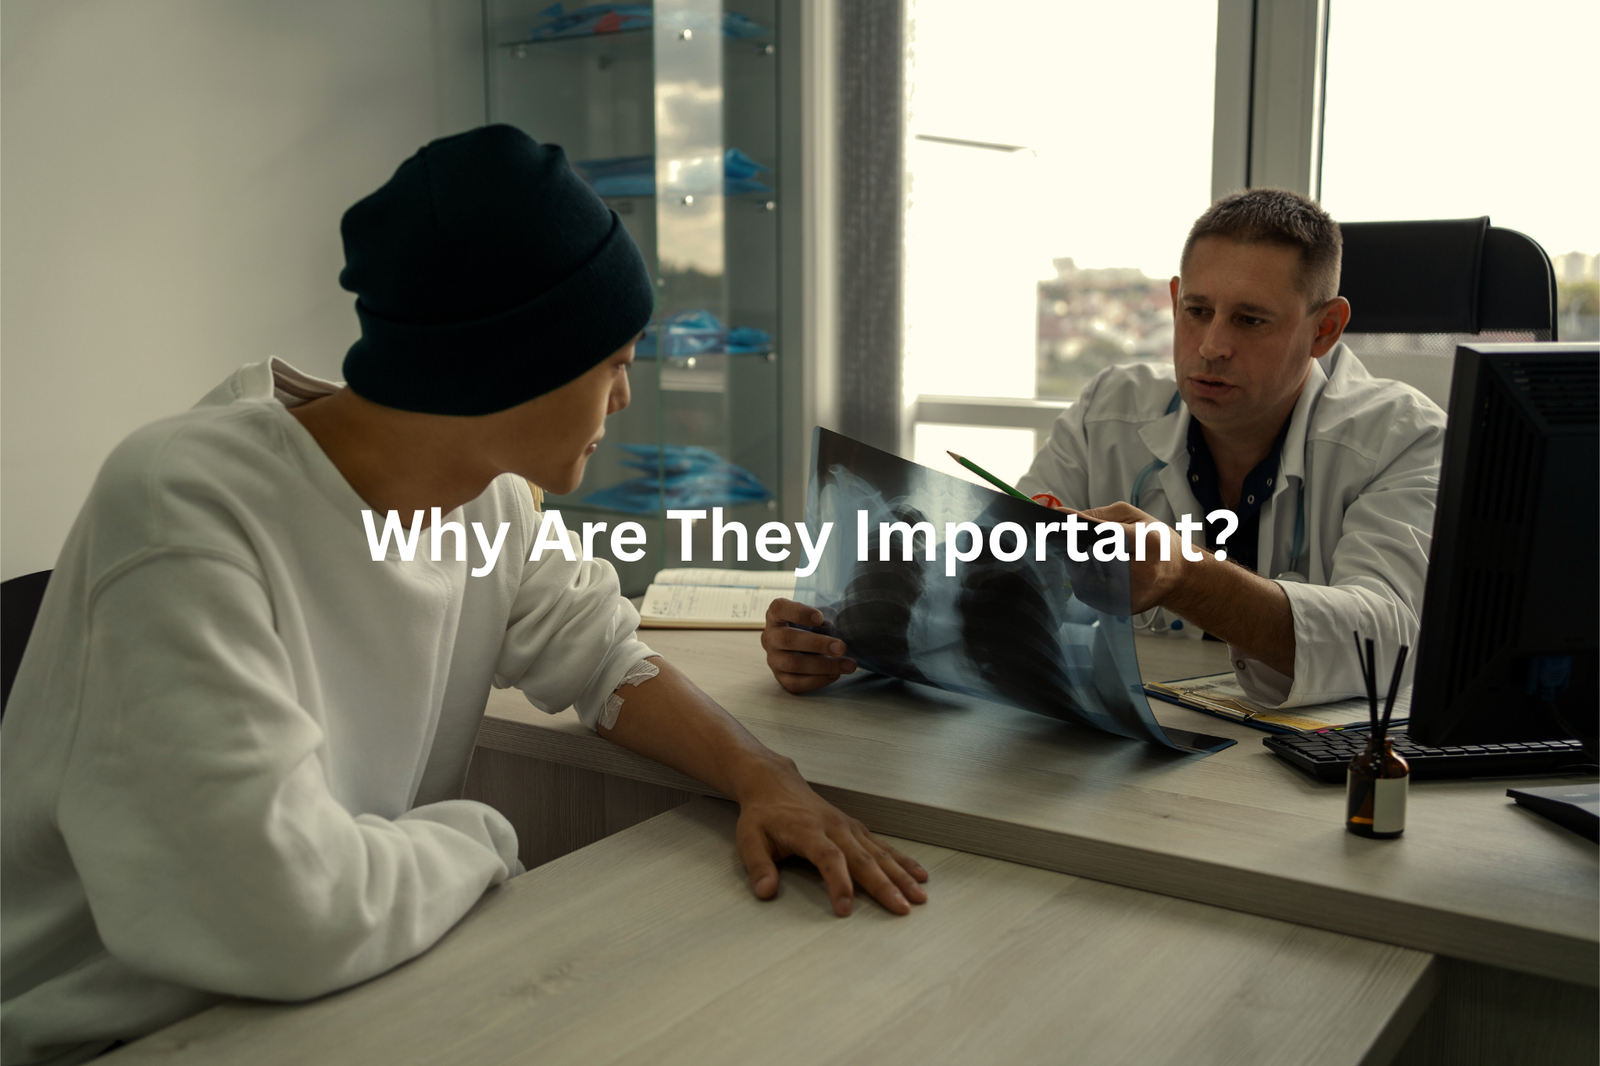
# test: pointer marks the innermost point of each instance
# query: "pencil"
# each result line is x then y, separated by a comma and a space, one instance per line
990, 478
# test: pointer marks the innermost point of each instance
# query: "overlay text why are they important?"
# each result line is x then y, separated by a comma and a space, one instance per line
773, 540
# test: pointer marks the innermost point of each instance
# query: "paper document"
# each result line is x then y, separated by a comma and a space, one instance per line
1221, 695
704, 598
704, 575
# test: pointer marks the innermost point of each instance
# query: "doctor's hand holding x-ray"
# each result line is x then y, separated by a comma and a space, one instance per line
1237, 605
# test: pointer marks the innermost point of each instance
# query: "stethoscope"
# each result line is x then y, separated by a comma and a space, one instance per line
1159, 619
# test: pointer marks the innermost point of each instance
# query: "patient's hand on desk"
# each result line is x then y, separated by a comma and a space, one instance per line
802, 661
786, 818
667, 718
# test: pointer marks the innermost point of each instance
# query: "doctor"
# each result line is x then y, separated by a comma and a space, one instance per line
1331, 472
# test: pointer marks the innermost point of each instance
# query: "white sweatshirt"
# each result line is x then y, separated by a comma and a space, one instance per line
231, 757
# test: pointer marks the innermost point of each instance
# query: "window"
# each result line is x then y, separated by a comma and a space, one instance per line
1057, 154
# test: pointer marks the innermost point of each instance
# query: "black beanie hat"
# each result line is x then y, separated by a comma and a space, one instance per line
486, 273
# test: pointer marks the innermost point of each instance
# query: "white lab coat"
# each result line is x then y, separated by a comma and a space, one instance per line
1362, 452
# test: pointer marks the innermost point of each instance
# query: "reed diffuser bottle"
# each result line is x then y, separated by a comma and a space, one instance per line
1375, 791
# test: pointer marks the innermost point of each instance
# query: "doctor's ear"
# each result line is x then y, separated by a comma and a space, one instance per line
1332, 318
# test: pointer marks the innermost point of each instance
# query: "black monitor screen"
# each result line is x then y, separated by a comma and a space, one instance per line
1509, 624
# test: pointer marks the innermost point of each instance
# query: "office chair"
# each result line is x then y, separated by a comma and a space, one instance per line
19, 606
1417, 289
1450, 276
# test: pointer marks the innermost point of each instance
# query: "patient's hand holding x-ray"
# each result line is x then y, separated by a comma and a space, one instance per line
802, 660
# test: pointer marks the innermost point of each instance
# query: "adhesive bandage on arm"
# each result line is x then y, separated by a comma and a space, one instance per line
642, 671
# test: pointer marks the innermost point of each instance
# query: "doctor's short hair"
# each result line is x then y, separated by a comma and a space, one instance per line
1278, 216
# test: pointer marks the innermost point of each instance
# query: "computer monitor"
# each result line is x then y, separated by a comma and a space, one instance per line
1511, 614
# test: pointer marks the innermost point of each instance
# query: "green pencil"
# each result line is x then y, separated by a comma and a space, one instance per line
990, 478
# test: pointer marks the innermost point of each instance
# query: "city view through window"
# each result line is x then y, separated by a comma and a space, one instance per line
1090, 319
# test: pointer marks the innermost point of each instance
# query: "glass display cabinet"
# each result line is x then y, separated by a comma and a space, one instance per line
670, 111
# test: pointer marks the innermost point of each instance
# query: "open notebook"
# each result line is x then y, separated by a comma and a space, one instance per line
705, 598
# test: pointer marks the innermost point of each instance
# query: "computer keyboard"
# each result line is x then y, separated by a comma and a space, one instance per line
1326, 756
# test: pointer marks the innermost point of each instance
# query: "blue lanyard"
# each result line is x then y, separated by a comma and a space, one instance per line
1138, 482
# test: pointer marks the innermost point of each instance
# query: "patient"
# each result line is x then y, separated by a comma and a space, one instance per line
234, 749
1265, 412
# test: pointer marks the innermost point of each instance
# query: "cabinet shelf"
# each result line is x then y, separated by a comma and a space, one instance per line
529, 42
712, 253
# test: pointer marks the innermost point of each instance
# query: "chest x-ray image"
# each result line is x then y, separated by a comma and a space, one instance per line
985, 615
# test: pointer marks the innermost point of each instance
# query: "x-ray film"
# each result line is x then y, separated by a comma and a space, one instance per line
1048, 635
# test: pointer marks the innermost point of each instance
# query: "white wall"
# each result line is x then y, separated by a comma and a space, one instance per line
172, 173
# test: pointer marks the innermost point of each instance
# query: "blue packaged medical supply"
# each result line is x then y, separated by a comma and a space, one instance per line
635, 175
596, 19
700, 333
679, 476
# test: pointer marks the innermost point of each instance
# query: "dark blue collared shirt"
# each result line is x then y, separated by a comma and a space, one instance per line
1243, 545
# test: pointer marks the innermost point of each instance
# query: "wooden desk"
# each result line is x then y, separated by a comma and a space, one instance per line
649, 948
1474, 878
